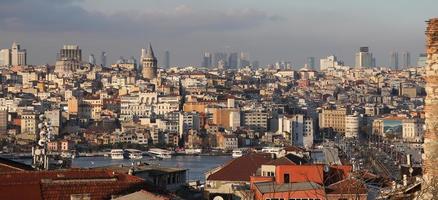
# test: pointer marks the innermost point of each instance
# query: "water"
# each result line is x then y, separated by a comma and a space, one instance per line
196, 165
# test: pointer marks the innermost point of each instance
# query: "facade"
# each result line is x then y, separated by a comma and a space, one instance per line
333, 118
255, 120
149, 64
364, 58
413, 130
70, 52
393, 61
406, 59
352, 123
3, 120
207, 60
328, 63
5, 57
18, 55
28, 123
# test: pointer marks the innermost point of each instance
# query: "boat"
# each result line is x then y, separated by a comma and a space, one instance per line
193, 151
117, 154
237, 153
134, 154
160, 153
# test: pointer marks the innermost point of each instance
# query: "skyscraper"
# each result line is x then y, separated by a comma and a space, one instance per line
364, 58
70, 52
244, 60
233, 60
406, 62
5, 57
166, 59
92, 59
311, 62
220, 57
393, 60
18, 55
103, 59
206, 60
421, 61
149, 63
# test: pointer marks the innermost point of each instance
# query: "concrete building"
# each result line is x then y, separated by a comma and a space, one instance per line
206, 60
3, 120
333, 118
18, 55
188, 121
352, 126
413, 130
393, 60
149, 64
297, 128
255, 120
70, 52
406, 60
28, 123
5, 57
364, 58
327, 63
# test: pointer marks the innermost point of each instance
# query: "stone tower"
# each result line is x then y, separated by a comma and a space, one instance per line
430, 157
149, 63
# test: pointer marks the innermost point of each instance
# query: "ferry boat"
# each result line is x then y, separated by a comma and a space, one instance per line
237, 153
193, 151
134, 154
117, 154
160, 153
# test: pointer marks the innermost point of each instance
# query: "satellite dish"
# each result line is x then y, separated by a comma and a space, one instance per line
326, 168
218, 198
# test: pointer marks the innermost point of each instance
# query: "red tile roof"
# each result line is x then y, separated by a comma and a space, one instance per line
347, 186
61, 184
240, 169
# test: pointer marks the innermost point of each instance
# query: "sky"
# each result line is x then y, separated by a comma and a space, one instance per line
270, 31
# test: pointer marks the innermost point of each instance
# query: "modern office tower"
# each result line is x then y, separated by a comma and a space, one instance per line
103, 58
233, 60
364, 58
220, 57
311, 62
70, 52
421, 61
329, 62
244, 60
167, 59
393, 60
406, 62
206, 60
18, 55
5, 57
149, 64
92, 59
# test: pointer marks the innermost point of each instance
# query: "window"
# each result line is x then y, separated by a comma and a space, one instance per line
286, 178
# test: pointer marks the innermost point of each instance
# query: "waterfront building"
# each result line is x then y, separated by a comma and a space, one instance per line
3, 120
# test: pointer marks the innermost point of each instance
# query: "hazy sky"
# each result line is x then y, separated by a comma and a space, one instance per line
269, 30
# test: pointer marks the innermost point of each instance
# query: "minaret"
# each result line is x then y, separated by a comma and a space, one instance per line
430, 156
149, 63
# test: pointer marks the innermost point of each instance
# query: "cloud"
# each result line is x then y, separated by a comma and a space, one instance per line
69, 16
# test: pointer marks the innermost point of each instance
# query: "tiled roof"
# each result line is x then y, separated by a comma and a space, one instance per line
347, 186
61, 184
281, 161
142, 195
270, 187
240, 169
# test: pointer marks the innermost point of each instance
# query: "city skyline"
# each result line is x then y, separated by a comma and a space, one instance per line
236, 27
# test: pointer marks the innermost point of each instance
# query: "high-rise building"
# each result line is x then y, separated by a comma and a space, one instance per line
18, 55
311, 62
70, 52
421, 61
218, 57
206, 60
244, 60
5, 57
329, 62
233, 60
149, 63
167, 59
103, 58
92, 59
364, 58
393, 60
406, 62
